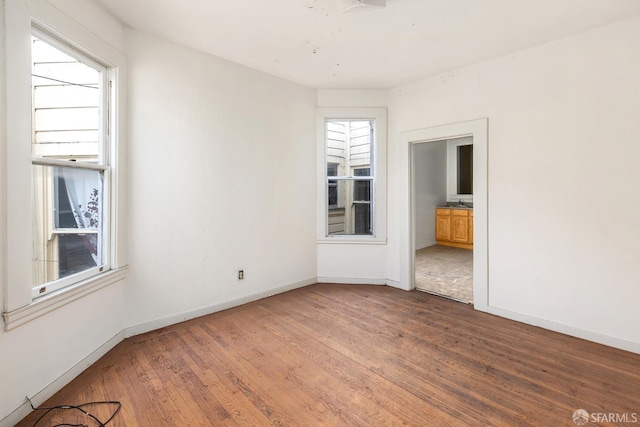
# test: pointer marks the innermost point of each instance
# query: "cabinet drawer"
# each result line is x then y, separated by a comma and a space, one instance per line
459, 212
440, 211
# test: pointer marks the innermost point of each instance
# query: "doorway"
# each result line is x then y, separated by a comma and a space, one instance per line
443, 212
478, 130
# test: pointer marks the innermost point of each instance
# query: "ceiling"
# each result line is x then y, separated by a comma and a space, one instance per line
313, 43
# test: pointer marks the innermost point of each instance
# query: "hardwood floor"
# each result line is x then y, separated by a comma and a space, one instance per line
355, 355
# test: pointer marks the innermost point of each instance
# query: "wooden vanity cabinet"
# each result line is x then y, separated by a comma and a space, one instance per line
454, 227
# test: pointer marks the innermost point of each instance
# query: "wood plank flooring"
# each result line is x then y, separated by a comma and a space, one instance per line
356, 355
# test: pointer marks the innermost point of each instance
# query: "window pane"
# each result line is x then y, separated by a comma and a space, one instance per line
332, 190
349, 151
76, 253
351, 213
66, 105
362, 188
362, 218
67, 221
360, 143
362, 191
349, 145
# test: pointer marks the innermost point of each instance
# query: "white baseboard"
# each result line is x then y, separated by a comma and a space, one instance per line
396, 284
352, 280
425, 245
224, 305
563, 329
40, 397
358, 281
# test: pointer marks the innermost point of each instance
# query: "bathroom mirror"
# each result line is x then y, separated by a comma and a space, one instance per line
465, 169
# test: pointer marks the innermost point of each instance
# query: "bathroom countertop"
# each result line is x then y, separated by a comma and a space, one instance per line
455, 207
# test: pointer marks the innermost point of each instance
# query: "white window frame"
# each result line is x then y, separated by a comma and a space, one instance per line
378, 168
19, 306
102, 166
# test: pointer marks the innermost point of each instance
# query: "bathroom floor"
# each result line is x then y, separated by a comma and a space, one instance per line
445, 271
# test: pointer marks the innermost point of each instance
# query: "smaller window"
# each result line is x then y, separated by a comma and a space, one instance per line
351, 176
349, 163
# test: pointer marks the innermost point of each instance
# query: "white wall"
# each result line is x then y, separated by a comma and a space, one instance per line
223, 178
108, 29
39, 357
352, 98
430, 189
562, 177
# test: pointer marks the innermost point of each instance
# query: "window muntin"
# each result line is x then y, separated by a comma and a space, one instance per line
349, 165
70, 167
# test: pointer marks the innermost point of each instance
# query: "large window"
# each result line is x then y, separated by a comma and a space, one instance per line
70, 165
65, 140
350, 176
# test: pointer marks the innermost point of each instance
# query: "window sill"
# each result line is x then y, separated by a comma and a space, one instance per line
55, 300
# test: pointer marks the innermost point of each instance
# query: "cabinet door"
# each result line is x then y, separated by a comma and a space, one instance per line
460, 229
471, 227
443, 227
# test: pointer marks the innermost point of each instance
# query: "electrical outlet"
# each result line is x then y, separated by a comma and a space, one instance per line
240, 274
